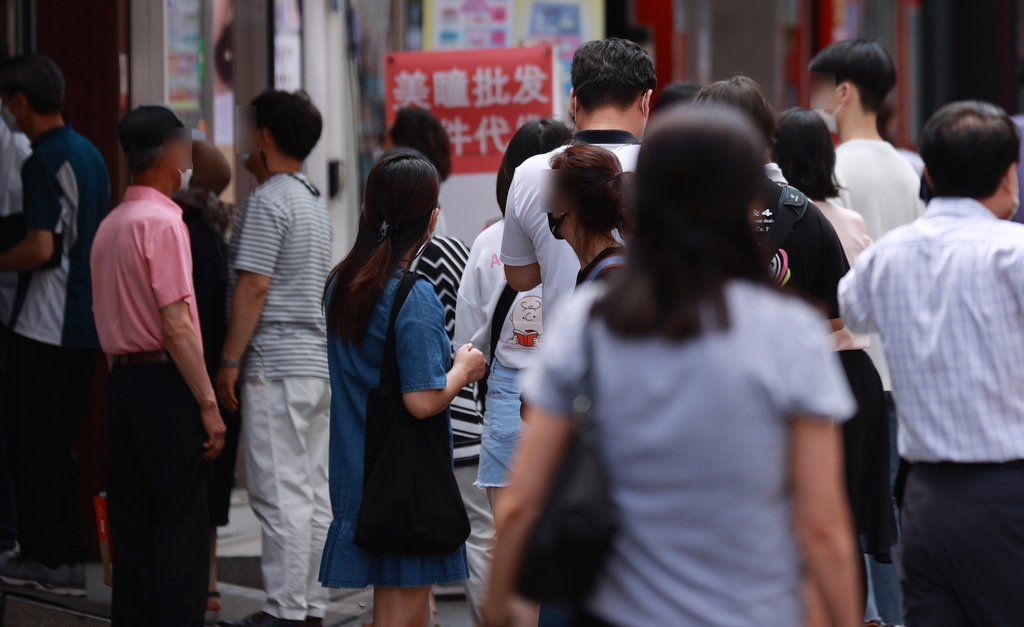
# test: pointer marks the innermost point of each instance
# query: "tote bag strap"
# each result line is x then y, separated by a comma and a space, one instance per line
389, 366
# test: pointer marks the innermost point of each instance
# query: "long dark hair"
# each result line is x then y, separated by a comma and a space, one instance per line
402, 191
536, 137
592, 179
698, 174
805, 153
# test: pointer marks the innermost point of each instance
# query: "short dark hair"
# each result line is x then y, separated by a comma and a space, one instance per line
419, 129
612, 72
677, 93
967, 147
140, 161
536, 137
805, 152
743, 93
291, 118
37, 78
864, 63
593, 180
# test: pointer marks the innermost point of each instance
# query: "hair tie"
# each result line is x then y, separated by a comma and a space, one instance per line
386, 230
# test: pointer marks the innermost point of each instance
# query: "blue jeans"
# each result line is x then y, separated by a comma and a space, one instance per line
884, 583
556, 616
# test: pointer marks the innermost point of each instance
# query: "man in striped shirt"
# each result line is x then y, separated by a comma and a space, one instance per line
275, 360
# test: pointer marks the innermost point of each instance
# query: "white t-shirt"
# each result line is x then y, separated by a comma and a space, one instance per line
522, 329
879, 184
14, 149
527, 238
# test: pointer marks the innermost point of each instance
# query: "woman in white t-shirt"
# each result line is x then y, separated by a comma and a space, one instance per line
521, 315
807, 157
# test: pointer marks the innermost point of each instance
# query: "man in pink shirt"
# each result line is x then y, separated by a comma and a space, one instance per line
162, 415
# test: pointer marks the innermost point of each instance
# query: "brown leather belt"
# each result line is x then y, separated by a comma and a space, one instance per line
139, 359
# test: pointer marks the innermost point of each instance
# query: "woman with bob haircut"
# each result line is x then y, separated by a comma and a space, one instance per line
715, 399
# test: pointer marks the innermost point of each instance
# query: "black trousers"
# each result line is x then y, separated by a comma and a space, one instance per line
46, 391
159, 522
961, 560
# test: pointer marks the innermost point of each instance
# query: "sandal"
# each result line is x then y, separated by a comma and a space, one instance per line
212, 615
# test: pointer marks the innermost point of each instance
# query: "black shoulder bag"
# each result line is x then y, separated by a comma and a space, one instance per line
411, 501
791, 209
508, 296
573, 535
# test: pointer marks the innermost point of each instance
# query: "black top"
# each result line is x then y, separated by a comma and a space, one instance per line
210, 276
811, 258
607, 137
603, 275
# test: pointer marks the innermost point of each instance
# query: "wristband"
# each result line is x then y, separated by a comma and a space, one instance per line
230, 363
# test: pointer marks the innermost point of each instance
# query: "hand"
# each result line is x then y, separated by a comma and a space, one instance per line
472, 362
226, 385
215, 429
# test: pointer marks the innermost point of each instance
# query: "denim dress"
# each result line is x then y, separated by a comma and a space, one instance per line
424, 358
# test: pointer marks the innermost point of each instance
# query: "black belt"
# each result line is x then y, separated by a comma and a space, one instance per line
140, 359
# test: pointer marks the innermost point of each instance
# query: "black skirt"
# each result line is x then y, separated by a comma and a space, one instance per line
866, 440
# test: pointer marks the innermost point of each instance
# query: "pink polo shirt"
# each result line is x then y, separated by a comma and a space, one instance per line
141, 262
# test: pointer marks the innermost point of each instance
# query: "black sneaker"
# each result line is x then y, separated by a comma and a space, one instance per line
262, 619
29, 572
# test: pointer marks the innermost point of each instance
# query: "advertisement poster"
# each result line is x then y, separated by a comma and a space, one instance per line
223, 80
287, 45
458, 24
563, 25
481, 97
184, 85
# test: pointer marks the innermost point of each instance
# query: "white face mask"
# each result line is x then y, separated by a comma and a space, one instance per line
8, 119
830, 118
1016, 202
186, 176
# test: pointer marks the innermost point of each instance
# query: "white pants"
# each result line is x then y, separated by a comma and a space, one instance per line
285, 436
480, 545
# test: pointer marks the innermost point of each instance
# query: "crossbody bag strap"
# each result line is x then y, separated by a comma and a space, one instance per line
611, 261
508, 296
791, 209
389, 366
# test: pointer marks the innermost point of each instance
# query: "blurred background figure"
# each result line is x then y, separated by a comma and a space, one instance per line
677, 93
209, 222
704, 421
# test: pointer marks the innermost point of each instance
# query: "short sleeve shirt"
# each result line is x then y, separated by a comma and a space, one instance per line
66, 190
141, 263
527, 237
695, 439
284, 232
811, 258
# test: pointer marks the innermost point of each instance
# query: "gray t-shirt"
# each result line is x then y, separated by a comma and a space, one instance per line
283, 231
695, 438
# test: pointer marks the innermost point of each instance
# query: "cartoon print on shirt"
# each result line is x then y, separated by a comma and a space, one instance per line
527, 321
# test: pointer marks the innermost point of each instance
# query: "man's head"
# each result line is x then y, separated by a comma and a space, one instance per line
32, 88
863, 76
970, 149
743, 93
677, 93
287, 123
612, 76
157, 147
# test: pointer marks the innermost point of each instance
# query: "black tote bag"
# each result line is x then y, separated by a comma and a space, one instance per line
411, 502
571, 540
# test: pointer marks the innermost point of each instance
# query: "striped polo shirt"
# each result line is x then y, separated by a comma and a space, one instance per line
283, 231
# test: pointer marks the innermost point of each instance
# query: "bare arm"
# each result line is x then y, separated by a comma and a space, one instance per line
186, 352
246, 306
822, 518
837, 324
28, 254
523, 278
469, 366
543, 450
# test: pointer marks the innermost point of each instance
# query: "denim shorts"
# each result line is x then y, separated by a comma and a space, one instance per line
503, 427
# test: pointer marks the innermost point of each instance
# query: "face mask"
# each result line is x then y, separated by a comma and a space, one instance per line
1016, 203
186, 176
830, 118
556, 223
377, 154
8, 119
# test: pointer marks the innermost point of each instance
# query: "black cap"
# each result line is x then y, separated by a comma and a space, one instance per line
148, 126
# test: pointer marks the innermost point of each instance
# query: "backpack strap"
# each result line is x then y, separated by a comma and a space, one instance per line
389, 365
615, 260
791, 209
508, 296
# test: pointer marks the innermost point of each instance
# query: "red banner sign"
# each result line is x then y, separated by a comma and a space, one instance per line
481, 96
